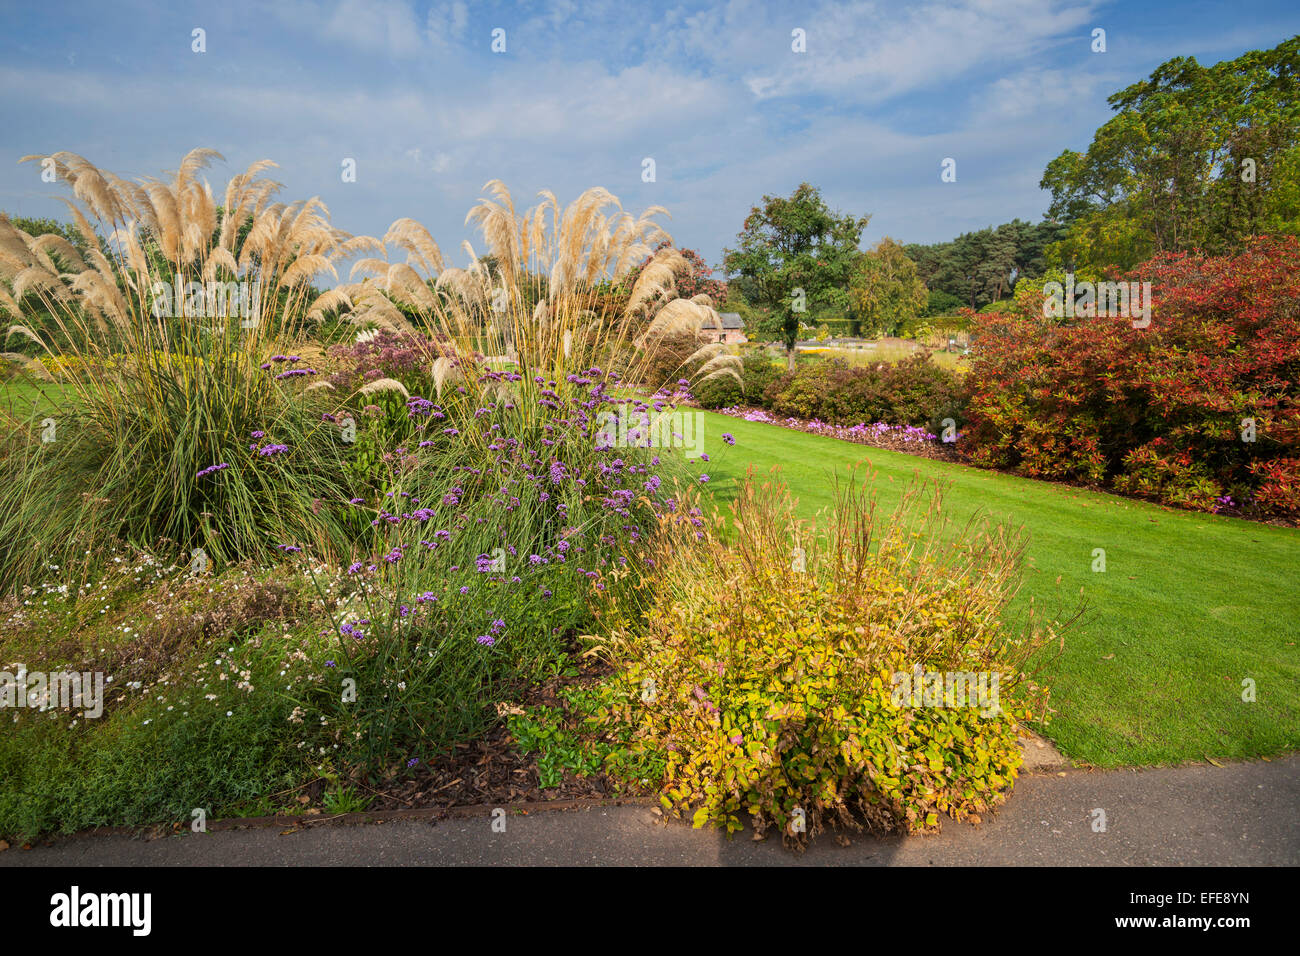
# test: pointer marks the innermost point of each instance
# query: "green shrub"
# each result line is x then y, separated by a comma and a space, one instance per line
493, 519
914, 391
801, 393
921, 393
856, 395
758, 371
722, 392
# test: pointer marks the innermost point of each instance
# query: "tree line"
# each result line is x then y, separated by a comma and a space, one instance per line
1195, 159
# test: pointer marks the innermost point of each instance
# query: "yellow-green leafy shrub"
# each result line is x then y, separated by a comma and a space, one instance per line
766, 673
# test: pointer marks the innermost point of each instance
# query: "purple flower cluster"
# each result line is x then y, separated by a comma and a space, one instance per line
401, 356
861, 432
563, 461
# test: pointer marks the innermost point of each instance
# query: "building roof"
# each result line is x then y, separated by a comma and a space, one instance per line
731, 320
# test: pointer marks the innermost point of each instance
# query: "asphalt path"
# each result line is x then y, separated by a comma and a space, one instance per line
1243, 814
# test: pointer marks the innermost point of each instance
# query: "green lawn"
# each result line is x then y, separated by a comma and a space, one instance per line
20, 397
1189, 605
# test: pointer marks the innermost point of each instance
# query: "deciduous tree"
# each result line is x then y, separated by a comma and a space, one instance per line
885, 289
795, 253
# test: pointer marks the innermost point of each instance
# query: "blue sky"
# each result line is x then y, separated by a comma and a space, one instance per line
584, 92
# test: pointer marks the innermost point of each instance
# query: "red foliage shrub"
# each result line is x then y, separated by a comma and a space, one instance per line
1161, 411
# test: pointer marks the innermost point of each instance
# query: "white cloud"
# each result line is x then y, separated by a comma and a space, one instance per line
386, 27
447, 22
870, 52
1043, 93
